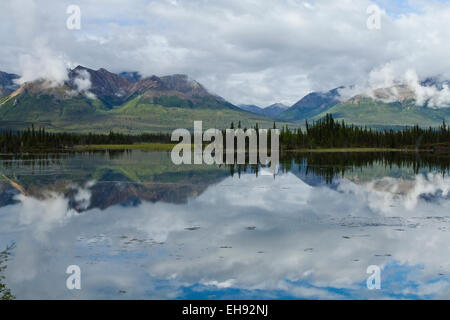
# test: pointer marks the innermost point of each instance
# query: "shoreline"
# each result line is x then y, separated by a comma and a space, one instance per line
355, 149
158, 146
169, 147
152, 146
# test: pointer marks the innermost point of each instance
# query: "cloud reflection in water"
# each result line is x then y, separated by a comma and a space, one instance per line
242, 238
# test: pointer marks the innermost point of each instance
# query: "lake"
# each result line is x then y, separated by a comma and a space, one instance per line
140, 227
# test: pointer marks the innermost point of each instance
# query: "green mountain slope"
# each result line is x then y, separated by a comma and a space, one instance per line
152, 104
366, 111
311, 105
141, 115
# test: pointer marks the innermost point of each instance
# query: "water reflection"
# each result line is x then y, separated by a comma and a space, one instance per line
201, 233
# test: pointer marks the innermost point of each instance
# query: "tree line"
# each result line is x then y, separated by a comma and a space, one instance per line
39, 139
329, 133
324, 133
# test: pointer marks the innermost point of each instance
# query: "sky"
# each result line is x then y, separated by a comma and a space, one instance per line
247, 51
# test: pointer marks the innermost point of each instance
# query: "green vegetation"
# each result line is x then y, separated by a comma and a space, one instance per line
325, 134
328, 133
5, 293
138, 115
136, 146
373, 113
333, 150
40, 140
3, 99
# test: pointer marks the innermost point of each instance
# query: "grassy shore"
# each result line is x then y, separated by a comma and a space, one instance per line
350, 150
169, 147
136, 146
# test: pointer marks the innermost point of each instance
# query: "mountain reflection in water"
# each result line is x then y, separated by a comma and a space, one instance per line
140, 227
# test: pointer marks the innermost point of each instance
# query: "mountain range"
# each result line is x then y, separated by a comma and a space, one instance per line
311, 105
396, 106
393, 107
100, 101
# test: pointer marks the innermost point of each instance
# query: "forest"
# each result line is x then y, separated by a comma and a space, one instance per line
324, 133
39, 139
328, 133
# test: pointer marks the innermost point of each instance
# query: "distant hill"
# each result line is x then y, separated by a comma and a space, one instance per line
272, 111
375, 113
99, 100
394, 106
383, 107
311, 105
251, 108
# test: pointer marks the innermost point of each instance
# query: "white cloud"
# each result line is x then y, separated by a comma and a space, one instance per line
389, 77
83, 83
42, 64
83, 80
248, 52
434, 97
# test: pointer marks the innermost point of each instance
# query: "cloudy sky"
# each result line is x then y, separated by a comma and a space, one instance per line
248, 51
306, 248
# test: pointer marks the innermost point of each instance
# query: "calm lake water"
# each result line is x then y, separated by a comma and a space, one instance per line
140, 227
